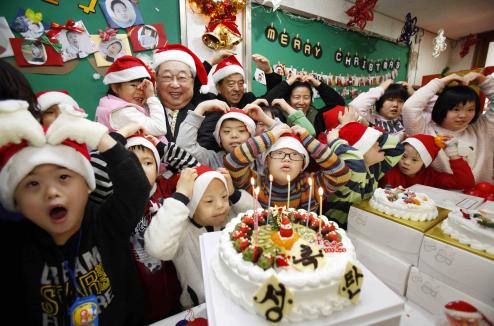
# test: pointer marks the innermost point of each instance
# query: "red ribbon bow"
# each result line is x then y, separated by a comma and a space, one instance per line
107, 34
228, 22
56, 28
361, 12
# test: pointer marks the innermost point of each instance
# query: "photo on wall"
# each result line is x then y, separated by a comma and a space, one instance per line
109, 51
121, 13
34, 53
5, 34
147, 37
75, 44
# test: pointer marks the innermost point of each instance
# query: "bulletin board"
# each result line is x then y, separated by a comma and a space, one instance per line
79, 81
334, 55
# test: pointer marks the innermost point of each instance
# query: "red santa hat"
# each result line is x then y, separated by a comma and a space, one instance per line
139, 140
286, 230
46, 99
359, 136
236, 114
127, 68
178, 52
425, 145
288, 140
18, 160
462, 309
227, 67
204, 177
330, 117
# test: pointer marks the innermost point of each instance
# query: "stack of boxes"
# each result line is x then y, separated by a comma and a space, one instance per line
418, 261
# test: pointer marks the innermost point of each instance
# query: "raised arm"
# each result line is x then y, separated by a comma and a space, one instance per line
365, 101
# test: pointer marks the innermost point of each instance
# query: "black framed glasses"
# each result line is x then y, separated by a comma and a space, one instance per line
280, 155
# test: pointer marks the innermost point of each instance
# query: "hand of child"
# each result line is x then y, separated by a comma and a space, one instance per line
474, 78
283, 105
349, 115
220, 55
153, 140
147, 88
385, 84
451, 147
17, 123
262, 63
310, 79
453, 78
256, 113
294, 77
332, 135
211, 106
130, 129
298, 130
185, 183
260, 101
229, 182
75, 127
280, 129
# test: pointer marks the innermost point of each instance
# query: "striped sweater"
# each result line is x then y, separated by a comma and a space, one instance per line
173, 156
364, 179
332, 175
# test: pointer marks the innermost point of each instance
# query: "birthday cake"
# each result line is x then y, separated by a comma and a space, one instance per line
405, 204
471, 227
308, 255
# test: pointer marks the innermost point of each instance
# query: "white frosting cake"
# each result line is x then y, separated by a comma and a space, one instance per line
314, 289
472, 228
405, 204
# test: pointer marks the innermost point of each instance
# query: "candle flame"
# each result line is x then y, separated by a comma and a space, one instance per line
310, 182
288, 177
252, 181
270, 178
320, 191
257, 190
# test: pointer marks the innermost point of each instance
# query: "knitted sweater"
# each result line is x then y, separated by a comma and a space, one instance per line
332, 175
475, 142
172, 235
364, 180
365, 106
462, 177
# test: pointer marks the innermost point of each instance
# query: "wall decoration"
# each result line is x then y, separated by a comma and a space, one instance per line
361, 12
469, 41
284, 39
348, 60
279, 68
5, 34
296, 44
147, 37
90, 8
338, 56
271, 33
275, 3
76, 42
111, 50
121, 13
53, 2
317, 51
439, 43
307, 48
222, 30
29, 23
409, 29
30, 52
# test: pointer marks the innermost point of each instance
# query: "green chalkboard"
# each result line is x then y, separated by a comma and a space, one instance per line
273, 35
79, 82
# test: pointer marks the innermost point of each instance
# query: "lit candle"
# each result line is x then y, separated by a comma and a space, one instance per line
320, 207
253, 186
308, 204
270, 188
256, 216
288, 199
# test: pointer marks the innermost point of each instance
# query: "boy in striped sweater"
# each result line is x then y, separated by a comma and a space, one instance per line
286, 155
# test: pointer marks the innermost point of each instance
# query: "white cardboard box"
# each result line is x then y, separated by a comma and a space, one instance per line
378, 304
398, 240
449, 199
464, 270
432, 294
391, 270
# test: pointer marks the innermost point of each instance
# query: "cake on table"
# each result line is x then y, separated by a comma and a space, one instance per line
404, 203
471, 227
312, 261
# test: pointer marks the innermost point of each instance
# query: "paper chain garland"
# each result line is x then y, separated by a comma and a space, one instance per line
409, 29
439, 43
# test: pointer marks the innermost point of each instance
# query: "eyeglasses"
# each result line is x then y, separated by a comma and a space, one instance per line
279, 155
181, 79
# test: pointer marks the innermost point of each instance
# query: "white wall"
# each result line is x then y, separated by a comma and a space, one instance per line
389, 28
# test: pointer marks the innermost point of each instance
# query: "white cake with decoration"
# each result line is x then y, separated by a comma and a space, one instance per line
308, 255
471, 227
403, 203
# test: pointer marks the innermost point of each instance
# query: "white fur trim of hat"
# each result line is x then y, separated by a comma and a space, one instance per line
367, 140
227, 71
174, 55
421, 149
50, 98
200, 185
137, 140
126, 75
235, 114
292, 143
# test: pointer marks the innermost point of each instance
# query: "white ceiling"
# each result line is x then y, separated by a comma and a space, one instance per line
458, 18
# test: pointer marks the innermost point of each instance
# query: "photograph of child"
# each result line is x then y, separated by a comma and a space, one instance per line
5, 34
147, 37
279, 69
27, 28
75, 44
34, 52
110, 50
121, 13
